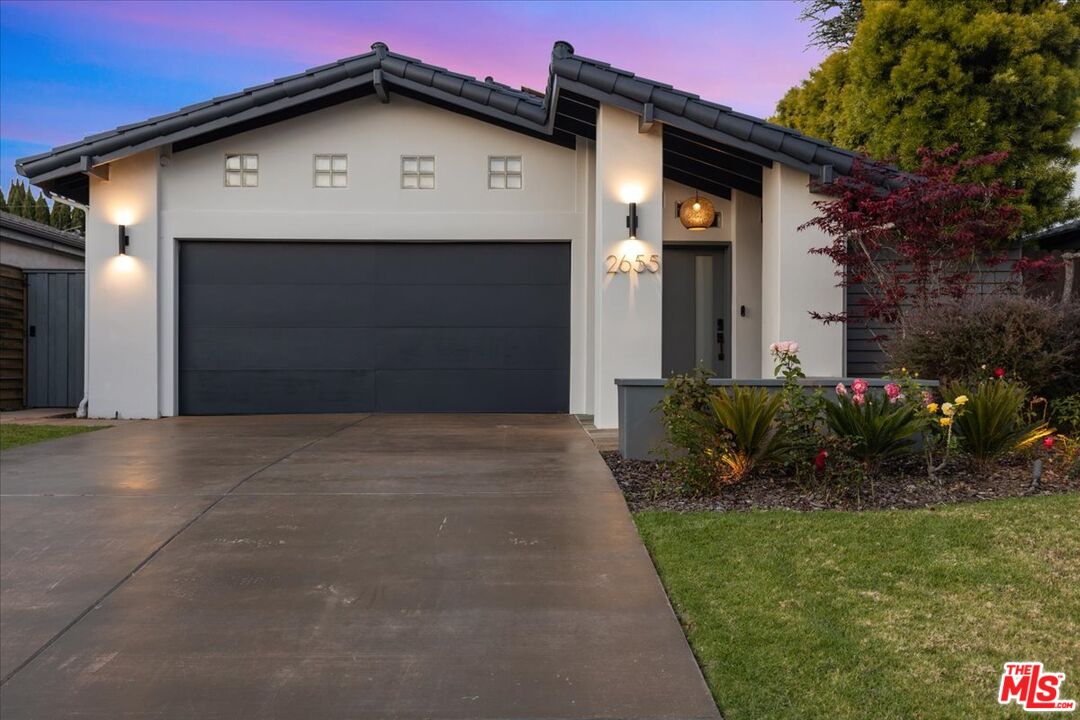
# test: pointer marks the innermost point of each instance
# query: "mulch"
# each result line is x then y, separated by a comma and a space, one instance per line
648, 485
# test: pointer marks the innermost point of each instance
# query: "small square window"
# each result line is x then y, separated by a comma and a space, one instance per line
504, 172
331, 171
241, 170
418, 172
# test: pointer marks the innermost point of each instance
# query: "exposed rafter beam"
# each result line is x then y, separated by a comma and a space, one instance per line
647, 119
699, 167
87, 167
699, 183
380, 85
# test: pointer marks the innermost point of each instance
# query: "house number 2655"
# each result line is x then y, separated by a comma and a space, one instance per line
623, 264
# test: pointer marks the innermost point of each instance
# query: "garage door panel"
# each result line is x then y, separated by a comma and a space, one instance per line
266, 348
269, 327
483, 264
472, 305
475, 348
276, 391
471, 391
279, 306
272, 263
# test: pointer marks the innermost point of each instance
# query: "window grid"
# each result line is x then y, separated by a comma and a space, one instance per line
241, 170
331, 171
418, 172
504, 172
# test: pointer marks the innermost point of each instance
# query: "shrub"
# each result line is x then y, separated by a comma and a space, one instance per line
1034, 340
801, 412
992, 423
1066, 413
749, 417
686, 415
872, 428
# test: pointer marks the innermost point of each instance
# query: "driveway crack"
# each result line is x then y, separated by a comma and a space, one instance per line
146, 561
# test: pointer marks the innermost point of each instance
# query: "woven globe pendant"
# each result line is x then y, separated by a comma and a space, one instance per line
697, 213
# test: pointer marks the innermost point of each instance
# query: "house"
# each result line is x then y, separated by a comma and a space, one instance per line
41, 314
380, 234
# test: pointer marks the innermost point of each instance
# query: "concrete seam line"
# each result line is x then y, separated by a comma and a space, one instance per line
146, 561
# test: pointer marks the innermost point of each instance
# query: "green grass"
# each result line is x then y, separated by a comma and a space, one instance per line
14, 435
900, 614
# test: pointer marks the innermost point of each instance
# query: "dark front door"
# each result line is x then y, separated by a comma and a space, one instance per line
697, 324
290, 327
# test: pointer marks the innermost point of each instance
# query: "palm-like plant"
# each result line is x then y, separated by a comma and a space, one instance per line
992, 424
874, 430
748, 415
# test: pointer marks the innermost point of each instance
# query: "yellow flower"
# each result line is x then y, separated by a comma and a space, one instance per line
948, 409
961, 399
945, 421
932, 408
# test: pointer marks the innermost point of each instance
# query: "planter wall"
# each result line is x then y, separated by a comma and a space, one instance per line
641, 434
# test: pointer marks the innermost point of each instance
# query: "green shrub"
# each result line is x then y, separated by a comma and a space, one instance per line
1066, 413
755, 438
691, 435
992, 423
875, 430
1034, 341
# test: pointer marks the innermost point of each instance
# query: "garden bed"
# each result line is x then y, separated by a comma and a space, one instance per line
648, 486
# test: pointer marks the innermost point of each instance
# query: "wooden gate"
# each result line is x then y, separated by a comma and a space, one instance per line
12, 338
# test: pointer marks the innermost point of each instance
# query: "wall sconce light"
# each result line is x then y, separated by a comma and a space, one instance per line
631, 221
124, 239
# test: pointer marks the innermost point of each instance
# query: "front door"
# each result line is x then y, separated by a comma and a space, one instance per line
697, 324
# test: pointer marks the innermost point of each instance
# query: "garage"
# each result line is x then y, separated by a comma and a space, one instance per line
309, 327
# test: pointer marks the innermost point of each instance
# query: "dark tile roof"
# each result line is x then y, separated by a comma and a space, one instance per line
41, 231
61, 168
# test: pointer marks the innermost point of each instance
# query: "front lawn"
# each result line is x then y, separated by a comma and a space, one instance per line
13, 435
896, 614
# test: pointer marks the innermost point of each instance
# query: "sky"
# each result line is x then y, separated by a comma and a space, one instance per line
71, 69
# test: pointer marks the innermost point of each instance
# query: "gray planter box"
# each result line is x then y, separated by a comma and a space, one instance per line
641, 434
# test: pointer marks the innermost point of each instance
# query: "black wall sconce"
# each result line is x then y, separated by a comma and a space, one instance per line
124, 239
631, 221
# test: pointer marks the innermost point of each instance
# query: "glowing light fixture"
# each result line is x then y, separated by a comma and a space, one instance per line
631, 220
124, 239
697, 213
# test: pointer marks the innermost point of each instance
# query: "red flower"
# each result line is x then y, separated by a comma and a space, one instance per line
1048, 442
999, 372
819, 460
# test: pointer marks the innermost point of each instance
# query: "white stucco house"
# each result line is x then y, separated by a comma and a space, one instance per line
379, 234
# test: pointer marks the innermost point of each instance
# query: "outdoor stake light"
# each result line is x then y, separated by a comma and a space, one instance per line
631, 221
124, 239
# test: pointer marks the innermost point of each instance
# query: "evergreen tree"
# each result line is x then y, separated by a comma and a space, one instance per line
986, 75
3, 201
17, 199
41, 210
78, 220
61, 216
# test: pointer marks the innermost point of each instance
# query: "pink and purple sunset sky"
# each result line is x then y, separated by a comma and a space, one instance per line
69, 69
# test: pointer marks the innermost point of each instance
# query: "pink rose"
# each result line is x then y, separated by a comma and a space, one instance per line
927, 397
793, 347
858, 398
893, 391
860, 386
841, 390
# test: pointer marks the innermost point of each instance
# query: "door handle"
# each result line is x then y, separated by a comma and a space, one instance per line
719, 324
32, 332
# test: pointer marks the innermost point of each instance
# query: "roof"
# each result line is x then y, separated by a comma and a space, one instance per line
1063, 236
64, 169
31, 232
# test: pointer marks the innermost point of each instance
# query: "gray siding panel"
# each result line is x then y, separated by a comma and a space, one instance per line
55, 315
330, 327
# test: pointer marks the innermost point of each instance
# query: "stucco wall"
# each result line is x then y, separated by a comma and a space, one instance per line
29, 257
552, 205
794, 282
122, 291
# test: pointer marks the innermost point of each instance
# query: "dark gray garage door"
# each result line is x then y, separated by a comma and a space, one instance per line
269, 327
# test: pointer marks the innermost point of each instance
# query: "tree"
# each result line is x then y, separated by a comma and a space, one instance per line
3, 201
61, 216
918, 246
17, 199
832, 31
986, 75
78, 220
41, 210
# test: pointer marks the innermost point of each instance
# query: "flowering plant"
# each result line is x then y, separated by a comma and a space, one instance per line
801, 411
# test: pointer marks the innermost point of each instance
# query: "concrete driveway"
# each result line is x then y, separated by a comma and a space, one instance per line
331, 566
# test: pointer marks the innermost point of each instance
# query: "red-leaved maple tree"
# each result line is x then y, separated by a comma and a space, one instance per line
918, 244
